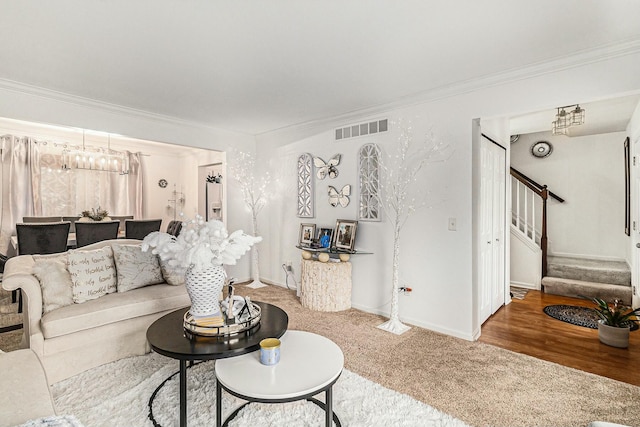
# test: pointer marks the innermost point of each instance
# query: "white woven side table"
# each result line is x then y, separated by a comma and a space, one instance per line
325, 286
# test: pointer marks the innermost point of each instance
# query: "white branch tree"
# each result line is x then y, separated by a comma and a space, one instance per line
254, 194
398, 176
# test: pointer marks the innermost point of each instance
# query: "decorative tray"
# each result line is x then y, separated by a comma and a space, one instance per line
248, 319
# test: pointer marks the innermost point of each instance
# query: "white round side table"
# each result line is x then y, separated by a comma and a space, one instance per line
309, 364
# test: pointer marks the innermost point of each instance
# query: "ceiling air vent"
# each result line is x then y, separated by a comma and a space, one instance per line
362, 129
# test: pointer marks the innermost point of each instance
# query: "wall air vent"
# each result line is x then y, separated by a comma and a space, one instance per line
362, 129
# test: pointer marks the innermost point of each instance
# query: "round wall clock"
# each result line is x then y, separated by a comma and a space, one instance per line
541, 149
162, 183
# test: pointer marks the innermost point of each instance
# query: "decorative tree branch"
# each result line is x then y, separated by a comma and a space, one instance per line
254, 194
397, 181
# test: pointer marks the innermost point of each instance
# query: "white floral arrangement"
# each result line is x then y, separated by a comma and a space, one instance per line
201, 244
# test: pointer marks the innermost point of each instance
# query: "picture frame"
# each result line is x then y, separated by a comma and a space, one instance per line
344, 235
325, 237
307, 234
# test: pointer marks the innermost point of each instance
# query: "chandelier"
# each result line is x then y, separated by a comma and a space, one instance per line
566, 119
96, 159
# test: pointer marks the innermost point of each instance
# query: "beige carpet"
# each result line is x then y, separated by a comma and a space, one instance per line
475, 382
9, 317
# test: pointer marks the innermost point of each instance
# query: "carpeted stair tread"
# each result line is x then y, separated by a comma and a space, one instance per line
579, 288
589, 270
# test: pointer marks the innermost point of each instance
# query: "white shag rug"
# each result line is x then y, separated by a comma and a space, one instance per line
118, 394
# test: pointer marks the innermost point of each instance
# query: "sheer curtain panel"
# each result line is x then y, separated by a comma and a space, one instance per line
20, 185
34, 184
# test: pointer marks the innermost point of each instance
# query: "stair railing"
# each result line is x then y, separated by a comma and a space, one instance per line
526, 207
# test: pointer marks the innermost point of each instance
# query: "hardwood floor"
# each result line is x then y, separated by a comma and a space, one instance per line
523, 327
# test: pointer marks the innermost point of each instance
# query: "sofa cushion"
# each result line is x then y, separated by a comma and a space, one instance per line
113, 308
93, 273
173, 275
61, 257
55, 282
135, 268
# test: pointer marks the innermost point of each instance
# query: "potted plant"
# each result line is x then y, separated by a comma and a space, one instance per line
615, 322
94, 215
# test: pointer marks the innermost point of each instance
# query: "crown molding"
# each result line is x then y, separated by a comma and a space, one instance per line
579, 59
294, 132
24, 88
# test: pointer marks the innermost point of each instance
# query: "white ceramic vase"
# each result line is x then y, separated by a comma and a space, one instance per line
204, 287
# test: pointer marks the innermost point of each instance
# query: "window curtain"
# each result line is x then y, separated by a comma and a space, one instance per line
34, 184
20, 185
73, 191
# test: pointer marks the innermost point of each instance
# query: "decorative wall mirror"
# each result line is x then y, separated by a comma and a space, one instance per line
305, 186
339, 197
369, 178
324, 169
541, 149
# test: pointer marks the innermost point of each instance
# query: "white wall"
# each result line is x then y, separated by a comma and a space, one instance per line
53, 108
526, 261
178, 170
435, 262
588, 172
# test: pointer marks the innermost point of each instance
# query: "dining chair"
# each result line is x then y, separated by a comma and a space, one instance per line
72, 220
139, 228
41, 238
32, 219
95, 231
121, 218
174, 228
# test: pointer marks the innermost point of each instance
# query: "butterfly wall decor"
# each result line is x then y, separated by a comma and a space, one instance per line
328, 168
339, 198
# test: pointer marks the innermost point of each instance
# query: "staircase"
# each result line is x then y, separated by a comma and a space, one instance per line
576, 277
568, 276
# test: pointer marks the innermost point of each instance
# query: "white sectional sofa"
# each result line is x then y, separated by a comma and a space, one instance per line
79, 336
24, 392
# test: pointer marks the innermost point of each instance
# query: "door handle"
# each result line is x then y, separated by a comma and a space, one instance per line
489, 242
637, 245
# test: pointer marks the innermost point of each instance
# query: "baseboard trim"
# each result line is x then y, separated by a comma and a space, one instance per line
531, 286
413, 322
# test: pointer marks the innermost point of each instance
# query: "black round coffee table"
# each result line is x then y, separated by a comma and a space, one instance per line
167, 337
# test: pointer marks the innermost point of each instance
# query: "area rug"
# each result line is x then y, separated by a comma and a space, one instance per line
118, 394
576, 315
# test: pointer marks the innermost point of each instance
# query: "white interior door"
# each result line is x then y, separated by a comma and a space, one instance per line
635, 218
499, 232
492, 228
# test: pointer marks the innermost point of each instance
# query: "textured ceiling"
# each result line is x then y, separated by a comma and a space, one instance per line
259, 66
